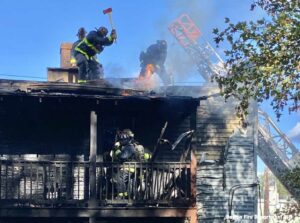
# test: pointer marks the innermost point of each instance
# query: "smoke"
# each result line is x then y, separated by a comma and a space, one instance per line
200, 11
115, 77
179, 64
294, 133
114, 70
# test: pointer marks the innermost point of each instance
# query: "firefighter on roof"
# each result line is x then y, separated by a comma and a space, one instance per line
86, 51
81, 35
153, 60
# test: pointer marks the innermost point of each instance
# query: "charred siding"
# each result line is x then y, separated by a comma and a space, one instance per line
230, 156
175, 129
229, 160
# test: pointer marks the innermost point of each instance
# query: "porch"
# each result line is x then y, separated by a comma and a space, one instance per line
40, 122
52, 184
63, 189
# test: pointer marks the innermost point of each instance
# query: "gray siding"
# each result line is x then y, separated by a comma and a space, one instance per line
218, 135
230, 161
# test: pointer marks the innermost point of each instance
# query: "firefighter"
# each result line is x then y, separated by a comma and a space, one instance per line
81, 35
127, 150
153, 61
86, 50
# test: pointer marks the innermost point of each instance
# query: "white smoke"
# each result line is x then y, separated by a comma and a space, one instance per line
294, 133
179, 63
201, 12
114, 70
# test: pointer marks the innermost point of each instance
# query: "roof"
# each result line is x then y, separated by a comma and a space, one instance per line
60, 89
97, 90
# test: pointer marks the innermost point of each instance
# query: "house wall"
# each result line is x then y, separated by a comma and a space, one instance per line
41, 126
229, 161
226, 155
29, 126
230, 151
147, 129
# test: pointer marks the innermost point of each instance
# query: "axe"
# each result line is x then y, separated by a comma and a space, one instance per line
109, 12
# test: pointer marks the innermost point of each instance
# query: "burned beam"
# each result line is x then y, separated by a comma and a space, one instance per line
93, 157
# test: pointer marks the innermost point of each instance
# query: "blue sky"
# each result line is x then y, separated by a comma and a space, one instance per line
33, 30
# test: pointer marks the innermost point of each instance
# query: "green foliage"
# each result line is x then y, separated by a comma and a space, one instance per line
294, 177
283, 193
292, 210
263, 60
290, 213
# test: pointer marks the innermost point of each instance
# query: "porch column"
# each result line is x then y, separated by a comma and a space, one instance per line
93, 156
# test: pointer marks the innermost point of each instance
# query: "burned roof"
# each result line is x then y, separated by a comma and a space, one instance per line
92, 93
39, 88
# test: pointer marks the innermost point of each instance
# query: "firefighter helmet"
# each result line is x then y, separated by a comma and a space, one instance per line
124, 136
81, 33
162, 43
102, 30
126, 133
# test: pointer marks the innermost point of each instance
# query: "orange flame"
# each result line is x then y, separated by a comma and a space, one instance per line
149, 71
144, 81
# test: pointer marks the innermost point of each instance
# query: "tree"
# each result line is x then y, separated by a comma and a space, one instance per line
283, 193
294, 177
263, 60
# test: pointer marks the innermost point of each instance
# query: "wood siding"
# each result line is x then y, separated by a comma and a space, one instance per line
230, 156
230, 160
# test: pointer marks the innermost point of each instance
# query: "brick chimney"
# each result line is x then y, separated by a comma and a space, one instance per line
65, 73
65, 55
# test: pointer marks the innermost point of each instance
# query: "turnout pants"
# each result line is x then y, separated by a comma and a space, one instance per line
88, 69
122, 182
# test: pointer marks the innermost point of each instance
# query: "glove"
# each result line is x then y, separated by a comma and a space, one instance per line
113, 34
73, 62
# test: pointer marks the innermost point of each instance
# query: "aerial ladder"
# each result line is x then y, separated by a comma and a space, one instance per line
274, 147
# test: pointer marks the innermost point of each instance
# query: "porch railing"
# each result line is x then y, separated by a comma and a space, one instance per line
64, 183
